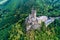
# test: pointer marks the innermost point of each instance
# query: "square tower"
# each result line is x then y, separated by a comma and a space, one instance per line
33, 13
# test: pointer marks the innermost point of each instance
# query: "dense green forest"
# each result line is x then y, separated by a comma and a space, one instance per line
13, 15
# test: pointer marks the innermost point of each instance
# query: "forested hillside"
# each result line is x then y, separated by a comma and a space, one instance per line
14, 12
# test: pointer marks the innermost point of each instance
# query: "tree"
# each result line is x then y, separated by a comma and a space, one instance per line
16, 32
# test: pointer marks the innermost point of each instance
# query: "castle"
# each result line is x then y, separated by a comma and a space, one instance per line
34, 22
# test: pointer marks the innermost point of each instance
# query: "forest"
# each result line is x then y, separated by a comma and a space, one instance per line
14, 12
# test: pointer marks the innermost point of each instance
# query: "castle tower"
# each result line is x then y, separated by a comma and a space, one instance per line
33, 13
